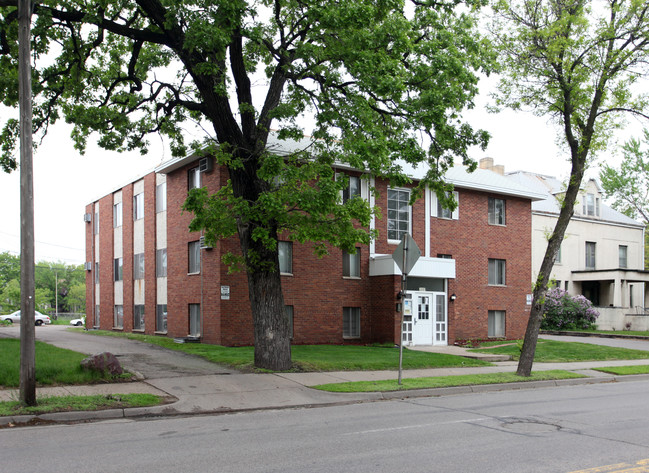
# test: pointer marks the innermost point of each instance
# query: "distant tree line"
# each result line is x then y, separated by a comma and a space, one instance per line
68, 281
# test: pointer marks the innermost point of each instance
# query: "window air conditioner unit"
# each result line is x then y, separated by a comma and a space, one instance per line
88, 266
206, 164
203, 245
87, 218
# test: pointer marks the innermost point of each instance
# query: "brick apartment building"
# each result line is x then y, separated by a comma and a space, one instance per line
148, 273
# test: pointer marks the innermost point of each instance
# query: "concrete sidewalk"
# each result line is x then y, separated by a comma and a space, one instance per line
221, 393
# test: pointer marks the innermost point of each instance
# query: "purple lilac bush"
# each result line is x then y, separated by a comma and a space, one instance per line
566, 312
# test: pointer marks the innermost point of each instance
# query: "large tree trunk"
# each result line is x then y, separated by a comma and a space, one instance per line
541, 286
271, 325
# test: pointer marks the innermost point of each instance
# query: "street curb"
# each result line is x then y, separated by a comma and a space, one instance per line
168, 410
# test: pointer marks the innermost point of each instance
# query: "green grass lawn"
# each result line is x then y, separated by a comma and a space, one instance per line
312, 357
443, 381
551, 351
613, 332
53, 365
624, 370
80, 403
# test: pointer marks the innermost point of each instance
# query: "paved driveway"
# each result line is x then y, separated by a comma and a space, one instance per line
150, 361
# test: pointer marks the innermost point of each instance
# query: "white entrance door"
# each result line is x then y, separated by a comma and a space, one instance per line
422, 331
429, 320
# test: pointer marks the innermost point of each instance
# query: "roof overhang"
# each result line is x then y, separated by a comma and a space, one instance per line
629, 275
384, 265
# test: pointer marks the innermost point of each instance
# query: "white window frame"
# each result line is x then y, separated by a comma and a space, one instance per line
352, 264
623, 256
161, 197
493, 214
138, 206
118, 219
438, 211
497, 272
285, 255
496, 323
399, 231
194, 257
193, 178
591, 255
351, 322
161, 263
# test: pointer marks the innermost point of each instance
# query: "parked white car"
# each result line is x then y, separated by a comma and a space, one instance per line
78, 322
14, 317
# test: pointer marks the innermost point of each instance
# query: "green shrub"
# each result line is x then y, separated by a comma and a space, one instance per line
566, 312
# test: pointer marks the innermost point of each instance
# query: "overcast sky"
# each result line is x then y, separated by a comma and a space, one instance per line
65, 181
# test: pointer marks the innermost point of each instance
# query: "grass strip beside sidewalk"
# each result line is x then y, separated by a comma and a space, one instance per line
552, 351
444, 381
80, 403
624, 370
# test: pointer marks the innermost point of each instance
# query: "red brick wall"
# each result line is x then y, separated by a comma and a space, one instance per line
316, 289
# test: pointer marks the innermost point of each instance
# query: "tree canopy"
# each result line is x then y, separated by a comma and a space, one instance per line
582, 63
628, 185
371, 82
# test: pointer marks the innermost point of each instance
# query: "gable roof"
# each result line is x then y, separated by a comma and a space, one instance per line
551, 187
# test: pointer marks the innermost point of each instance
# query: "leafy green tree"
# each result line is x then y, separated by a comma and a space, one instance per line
628, 185
10, 296
374, 81
76, 298
9, 268
580, 63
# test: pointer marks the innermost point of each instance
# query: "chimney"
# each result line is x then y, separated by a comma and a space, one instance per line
487, 163
499, 168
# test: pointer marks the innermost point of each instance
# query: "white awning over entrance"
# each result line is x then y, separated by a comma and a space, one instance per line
384, 265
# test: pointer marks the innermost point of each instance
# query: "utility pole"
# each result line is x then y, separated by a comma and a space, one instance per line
27, 292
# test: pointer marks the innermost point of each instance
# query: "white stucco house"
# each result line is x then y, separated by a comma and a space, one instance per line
602, 254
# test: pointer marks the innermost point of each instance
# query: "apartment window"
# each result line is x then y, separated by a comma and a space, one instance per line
285, 250
161, 263
117, 215
557, 258
138, 317
118, 269
590, 255
289, 315
118, 320
398, 213
496, 272
96, 223
96, 272
351, 322
631, 301
138, 266
591, 205
623, 256
161, 197
496, 324
353, 189
97, 318
496, 211
138, 206
193, 179
161, 318
195, 320
442, 212
194, 249
352, 264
